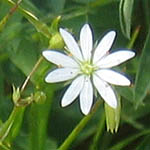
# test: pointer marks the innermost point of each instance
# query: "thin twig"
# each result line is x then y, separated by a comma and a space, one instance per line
13, 9
31, 73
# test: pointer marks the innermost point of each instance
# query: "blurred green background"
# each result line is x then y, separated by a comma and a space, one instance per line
46, 126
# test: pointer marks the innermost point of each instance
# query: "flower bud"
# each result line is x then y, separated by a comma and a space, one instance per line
39, 97
112, 117
16, 94
56, 41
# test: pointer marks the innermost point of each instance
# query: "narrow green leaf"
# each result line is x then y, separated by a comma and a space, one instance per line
9, 14
125, 15
39, 116
100, 2
10, 128
40, 26
3, 22
144, 145
128, 140
142, 83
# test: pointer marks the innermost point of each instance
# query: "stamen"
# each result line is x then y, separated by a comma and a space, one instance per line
87, 68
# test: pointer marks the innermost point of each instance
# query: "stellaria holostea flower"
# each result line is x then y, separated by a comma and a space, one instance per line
88, 68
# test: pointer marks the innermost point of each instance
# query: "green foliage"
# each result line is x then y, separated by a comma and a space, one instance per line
125, 14
10, 128
33, 119
142, 79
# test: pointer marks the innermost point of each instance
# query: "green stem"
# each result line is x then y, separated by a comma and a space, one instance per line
40, 26
3, 147
12, 124
11, 127
134, 37
10, 13
98, 133
31, 73
12, 10
78, 128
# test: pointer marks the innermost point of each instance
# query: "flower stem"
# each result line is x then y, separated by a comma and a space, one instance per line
134, 37
78, 128
11, 127
31, 73
98, 133
10, 13
13, 9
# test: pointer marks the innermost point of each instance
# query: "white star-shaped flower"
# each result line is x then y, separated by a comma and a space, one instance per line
88, 67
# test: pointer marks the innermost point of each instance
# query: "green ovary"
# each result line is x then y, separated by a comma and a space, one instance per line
87, 68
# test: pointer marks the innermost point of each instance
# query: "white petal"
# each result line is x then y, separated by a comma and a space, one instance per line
86, 41
73, 91
61, 74
104, 46
59, 59
106, 91
113, 77
86, 97
71, 44
115, 58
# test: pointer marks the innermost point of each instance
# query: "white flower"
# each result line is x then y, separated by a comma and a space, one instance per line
88, 67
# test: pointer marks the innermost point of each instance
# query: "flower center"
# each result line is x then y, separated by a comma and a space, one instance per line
87, 68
